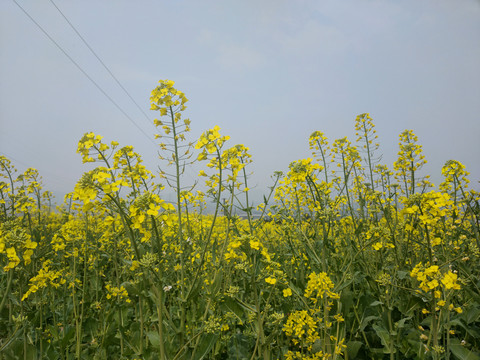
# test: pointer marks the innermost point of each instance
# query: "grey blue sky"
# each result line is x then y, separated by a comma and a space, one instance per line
268, 72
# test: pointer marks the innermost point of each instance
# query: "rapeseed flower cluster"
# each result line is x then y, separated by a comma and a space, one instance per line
15, 240
310, 328
410, 161
165, 96
431, 278
118, 269
440, 284
44, 278
211, 142
456, 177
302, 328
320, 286
120, 293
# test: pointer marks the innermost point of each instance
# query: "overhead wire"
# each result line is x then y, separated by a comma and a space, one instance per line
104, 65
12, 158
53, 176
101, 62
84, 73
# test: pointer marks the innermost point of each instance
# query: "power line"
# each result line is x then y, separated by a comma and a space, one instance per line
101, 62
85, 73
53, 177
12, 158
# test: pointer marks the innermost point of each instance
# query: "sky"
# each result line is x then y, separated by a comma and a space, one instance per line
268, 73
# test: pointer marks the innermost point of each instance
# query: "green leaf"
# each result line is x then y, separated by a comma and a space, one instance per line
366, 320
359, 229
217, 282
240, 347
401, 323
194, 291
245, 306
318, 345
342, 286
232, 305
346, 298
154, 338
384, 336
462, 353
352, 349
69, 333
205, 345
375, 303
6, 342
469, 329
472, 315
412, 343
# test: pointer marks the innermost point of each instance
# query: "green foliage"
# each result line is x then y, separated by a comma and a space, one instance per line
356, 263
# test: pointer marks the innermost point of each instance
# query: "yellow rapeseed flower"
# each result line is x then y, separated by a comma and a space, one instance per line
450, 281
270, 280
254, 244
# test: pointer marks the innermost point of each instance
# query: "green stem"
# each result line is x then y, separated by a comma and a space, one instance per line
210, 231
7, 290
180, 230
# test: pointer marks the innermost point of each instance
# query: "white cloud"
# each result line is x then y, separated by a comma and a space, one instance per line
315, 37
238, 57
205, 37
